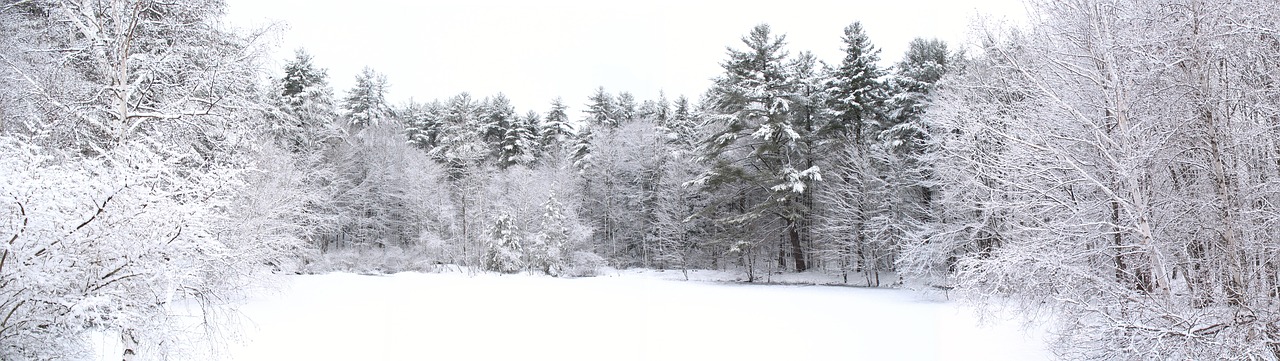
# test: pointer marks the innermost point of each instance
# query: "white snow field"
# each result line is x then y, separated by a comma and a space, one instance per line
621, 316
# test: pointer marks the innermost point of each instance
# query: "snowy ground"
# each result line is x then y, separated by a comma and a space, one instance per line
620, 316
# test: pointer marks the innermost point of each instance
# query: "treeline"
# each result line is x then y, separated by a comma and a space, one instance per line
731, 181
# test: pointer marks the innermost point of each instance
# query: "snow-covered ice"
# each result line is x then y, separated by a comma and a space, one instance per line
622, 316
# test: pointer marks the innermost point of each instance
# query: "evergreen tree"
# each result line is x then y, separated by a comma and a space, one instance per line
512, 139
463, 151
460, 145
924, 64
308, 126
532, 124
497, 116
756, 149
625, 109
310, 117
427, 124
504, 253
581, 148
601, 110
657, 110
818, 136
552, 240
300, 75
555, 128
519, 142
681, 125
907, 137
366, 102
855, 89
855, 199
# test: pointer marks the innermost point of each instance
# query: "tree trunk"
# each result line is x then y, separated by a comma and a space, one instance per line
129, 340
797, 250
782, 253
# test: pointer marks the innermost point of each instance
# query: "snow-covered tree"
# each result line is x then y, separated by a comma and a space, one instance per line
548, 253
426, 124
681, 126
132, 150
386, 189
461, 148
505, 252
155, 238
617, 189
460, 143
305, 122
754, 152
557, 135
854, 190
555, 127
914, 78
658, 110
96, 73
519, 143
581, 149
310, 120
855, 88
626, 109
679, 228
300, 74
366, 103
602, 110
1112, 166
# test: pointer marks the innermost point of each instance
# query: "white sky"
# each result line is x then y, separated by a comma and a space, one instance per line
534, 51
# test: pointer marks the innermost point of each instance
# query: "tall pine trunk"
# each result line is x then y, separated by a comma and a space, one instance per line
797, 250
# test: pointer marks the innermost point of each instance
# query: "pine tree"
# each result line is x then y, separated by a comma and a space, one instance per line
532, 124
582, 149
512, 139
300, 75
310, 116
681, 125
601, 110
427, 124
818, 136
308, 126
519, 142
366, 102
497, 116
755, 152
855, 96
460, 145
504, 253
924, 64
625, 109
906, 138
855, 89
555, 128
657, 110
551, 243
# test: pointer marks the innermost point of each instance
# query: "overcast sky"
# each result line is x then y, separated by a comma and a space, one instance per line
534, 51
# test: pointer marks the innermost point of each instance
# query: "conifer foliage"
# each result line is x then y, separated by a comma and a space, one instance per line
366, 103
756, 151
505, 252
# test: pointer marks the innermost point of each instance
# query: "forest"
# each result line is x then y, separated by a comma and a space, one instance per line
1112, 168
